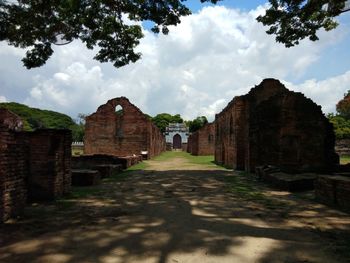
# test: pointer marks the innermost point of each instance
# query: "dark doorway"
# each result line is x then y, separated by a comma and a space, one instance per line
177, 142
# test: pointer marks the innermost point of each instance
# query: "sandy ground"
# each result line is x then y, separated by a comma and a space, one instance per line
176, 212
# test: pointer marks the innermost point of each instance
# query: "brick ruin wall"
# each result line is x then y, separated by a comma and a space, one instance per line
121, 133
189, 144
13, 166
28, 159
274, 126
230, 129
49, 163
202, 142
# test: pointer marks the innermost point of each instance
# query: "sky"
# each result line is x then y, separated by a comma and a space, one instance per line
215, 54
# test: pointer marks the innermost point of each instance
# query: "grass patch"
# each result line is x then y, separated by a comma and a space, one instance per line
119, 177
137, 167
245, 188
207, 160
167, 155
84, 191
344, 159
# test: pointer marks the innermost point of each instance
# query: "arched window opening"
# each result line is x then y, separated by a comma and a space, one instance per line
119, 113
119, 110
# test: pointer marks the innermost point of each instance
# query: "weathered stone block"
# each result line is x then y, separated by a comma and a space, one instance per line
85, 177
107, 170
333, 190
290, 182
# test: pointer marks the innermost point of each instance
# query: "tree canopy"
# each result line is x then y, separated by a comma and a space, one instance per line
113, 26
343, 106
36, 118
341, 121
197, 123
162, 120
294, 20
38, 24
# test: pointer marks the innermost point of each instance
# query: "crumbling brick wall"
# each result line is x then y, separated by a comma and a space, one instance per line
49, 163
13, 166
189, 144
121, 133
203, 140
230, 129
274, 126
33, 165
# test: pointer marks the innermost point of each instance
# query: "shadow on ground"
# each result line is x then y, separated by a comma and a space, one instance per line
173, 216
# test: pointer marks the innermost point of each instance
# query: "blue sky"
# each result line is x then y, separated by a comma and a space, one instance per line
215, 54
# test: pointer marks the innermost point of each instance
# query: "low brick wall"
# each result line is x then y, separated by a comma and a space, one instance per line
334, 190
92, 161
283, 181
85, 177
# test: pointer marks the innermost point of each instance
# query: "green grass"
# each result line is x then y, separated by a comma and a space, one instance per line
344, 159
243, 187
201, 160
84, 191
137, 167
76, 151
165, 156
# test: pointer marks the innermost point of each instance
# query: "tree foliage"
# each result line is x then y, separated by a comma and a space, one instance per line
341, 121
113, 26
343, 106
162, 120
36, 119
38, 24
341, 126
197, 123
294, 20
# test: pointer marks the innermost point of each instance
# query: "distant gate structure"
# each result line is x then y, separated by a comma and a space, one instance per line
176, 136
119, 128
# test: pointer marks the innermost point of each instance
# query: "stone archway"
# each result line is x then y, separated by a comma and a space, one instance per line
177, 141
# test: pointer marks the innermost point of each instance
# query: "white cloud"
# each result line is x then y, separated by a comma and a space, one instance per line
196, 70
3, 99
325, 92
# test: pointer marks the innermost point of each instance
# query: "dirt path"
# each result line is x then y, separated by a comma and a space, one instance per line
176, 211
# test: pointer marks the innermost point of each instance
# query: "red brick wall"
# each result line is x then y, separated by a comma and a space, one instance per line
13, 166
189, 144
203, 141
33, 165
13, 174
274, 126
49, 163
230, 134
121, 134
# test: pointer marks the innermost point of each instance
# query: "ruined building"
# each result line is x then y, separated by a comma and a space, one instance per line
272, 125
33, 165
176, 135
119, 128
202, 142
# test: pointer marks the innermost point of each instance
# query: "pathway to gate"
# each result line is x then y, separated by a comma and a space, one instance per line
178, 208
